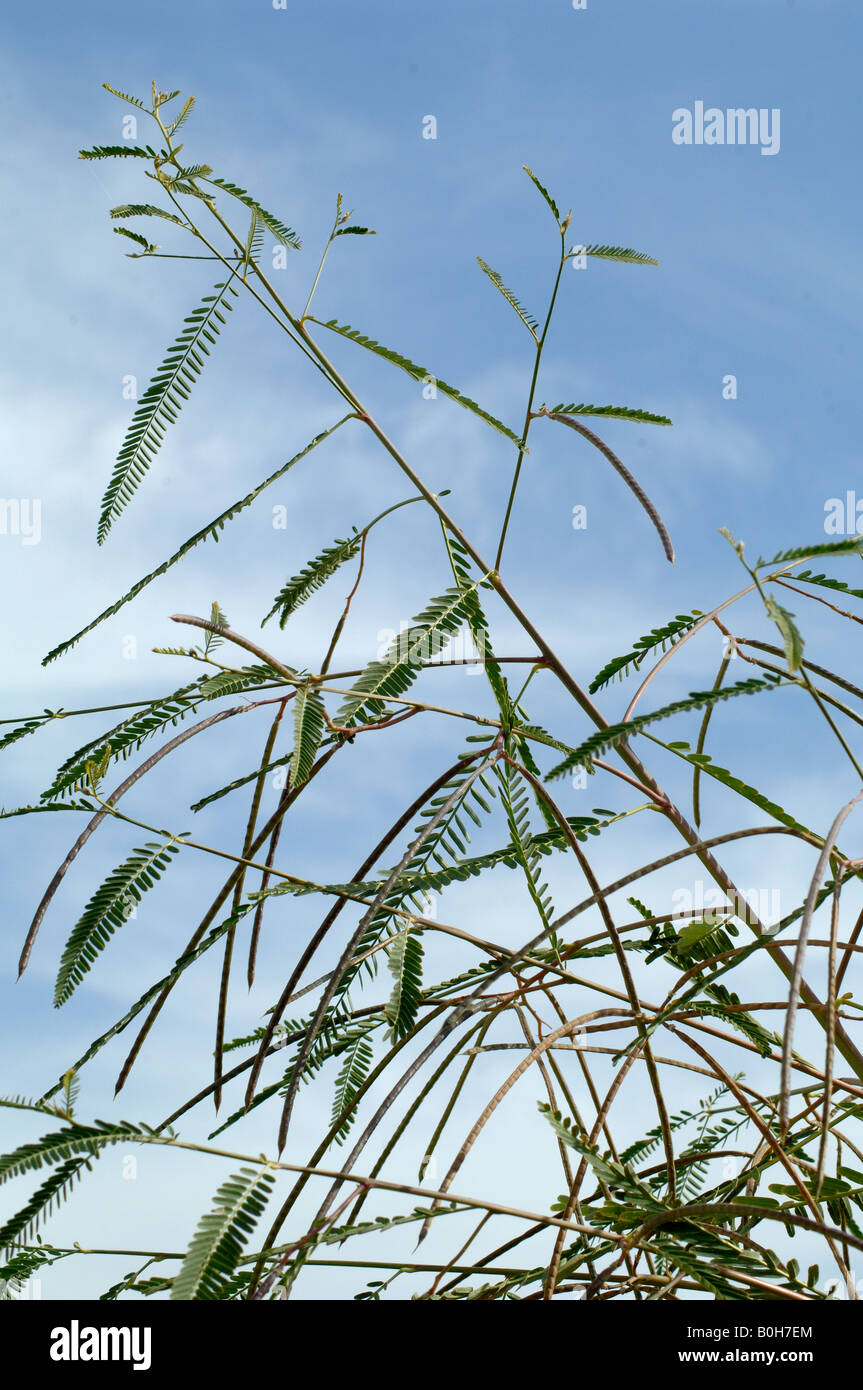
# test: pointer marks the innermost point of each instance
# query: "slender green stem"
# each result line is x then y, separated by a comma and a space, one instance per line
528, 417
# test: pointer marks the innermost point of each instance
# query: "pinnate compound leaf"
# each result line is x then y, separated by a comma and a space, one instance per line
221, 1235
612, 412
658, 638
418, 373
162, 402
616, 734
108, 909
308, 732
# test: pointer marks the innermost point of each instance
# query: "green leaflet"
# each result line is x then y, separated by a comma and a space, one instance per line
743, 1022
185, 112
405, 955
338, 1036
232, 682
853, 545
527, 319
209, 531
221, 1235
108, 909
162, 402
545, 193
124, 96
148, 246
418, 881
76, 1140
352, 1076
313, 576
525, 754
516, 804
791, 638
131, 733
181, 964
22, 730
807, 577
145, 210
70, 1152
621, 1178
120, 152
240, 782
283, 234
616, 734
683, 1242
695, 931
652, 1140
728, 779
33, 810
48, 1196
449, 837
611, 412
308, 731
660, 637
23, 1265
478, 623
125, 738
624, 254
395, 674
418, 373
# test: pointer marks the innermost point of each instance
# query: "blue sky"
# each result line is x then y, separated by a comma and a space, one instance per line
759, 277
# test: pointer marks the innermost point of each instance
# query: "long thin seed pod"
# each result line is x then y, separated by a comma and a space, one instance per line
94, 824
221, 897
334, 912
831, 1040
797, 973
631, 482
248, 841
368, 917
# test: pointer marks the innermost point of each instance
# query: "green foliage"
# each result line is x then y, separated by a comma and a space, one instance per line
109, 908
313, 576
488, 986
617, 734
222, 1234
853, 545
611, 412
391, 677
791, 639
624, 254
658, 638
545, 193
124, 739
145, 210
163, 400
277, 228
516, 804
209, 532
352, 1076
822, 580
416, 372
705, 763
404, 956
119, 152
21, 731
527, 319
308, 731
